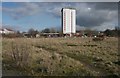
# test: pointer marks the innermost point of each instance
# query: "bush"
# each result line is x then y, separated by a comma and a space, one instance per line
98, 39
15, 35
20, 54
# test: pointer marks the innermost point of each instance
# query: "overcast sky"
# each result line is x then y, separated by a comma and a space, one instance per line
40, 15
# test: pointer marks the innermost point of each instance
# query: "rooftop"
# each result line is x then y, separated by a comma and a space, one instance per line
68, 8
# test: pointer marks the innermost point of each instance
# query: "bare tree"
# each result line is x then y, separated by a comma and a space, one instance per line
32, 32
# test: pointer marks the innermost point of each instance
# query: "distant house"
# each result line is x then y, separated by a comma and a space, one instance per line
6, 31
27, 35
50, 34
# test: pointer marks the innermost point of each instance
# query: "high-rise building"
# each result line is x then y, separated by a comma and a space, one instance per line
68, 20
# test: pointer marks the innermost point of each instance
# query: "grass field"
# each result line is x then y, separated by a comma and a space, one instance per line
60, 56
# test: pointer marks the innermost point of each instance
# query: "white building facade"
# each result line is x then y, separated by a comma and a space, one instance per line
68, 21
6, 31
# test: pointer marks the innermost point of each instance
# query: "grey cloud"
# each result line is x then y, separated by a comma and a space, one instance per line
80, 27
25, 9
106, 5
96, 15
96, 18
55, 8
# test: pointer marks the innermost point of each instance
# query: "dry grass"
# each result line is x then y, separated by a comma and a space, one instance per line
60, 56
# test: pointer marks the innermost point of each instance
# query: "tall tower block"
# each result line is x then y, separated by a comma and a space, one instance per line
68, 20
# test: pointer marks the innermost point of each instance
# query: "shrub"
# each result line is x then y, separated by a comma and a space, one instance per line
98, 39
20, 54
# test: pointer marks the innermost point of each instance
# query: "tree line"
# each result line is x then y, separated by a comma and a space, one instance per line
32, 32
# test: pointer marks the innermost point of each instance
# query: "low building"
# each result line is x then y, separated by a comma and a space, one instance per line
50, 34
27, 35
6, 31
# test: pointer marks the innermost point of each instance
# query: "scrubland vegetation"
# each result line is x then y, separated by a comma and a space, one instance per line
60, 57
